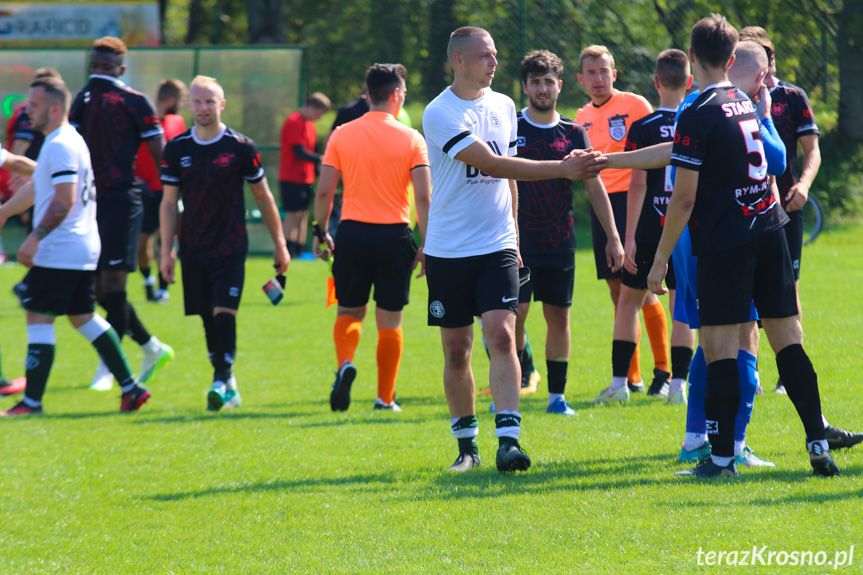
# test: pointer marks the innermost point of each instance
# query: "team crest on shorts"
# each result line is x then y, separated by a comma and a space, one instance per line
436, 309
617, 127
492, 117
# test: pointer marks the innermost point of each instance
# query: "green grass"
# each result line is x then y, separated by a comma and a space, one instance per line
282, 485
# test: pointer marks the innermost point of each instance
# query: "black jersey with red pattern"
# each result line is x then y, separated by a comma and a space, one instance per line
113, 119
719, 137
793, 117
655, 128
211, 176
23, 130
545, 216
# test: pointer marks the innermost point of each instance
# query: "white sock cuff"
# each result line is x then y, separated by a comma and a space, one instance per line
41, 333
94, 328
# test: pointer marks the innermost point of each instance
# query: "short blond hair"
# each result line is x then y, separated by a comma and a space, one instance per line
206, 82
593, 52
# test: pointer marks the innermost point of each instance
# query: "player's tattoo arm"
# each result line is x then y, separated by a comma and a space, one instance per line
58, 209
303, 154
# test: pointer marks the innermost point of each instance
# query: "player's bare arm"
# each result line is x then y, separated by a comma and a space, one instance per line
324, 195
575, 167
676, 218
513, 190
58, 209
421, 180
602, 207
798, 195
21, 201
155, 147
634, 202
168, 217
19, 164
656, 156
271, 219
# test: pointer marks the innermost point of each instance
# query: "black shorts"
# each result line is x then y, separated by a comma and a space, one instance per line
295, 197
52, 291
794, 236
379, 255
729, 281
463, 288
600, 240
552, 279
119, 222
209, 283
644, 256
152, 203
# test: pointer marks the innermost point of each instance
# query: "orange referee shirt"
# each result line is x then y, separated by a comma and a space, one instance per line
607, 127
375, 155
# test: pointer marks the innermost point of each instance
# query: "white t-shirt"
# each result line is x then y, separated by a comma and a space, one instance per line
74, 244
471, 213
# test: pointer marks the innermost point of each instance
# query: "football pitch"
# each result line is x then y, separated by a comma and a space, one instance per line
283, 485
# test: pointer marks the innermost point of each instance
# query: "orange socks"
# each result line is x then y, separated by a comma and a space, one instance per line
390, 343
634, 374
657, 330
346, 335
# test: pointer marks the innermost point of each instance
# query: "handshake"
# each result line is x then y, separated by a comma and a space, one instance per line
583, 164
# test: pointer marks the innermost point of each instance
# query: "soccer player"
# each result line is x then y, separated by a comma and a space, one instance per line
171, 96
62, 251
607, 119
297, 168
207, 167
647, 198
723, 191
471, 244
377, 158
114, 120
795, 122
545, 218
24, 166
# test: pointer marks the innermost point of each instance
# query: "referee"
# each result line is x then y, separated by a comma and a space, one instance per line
378, 158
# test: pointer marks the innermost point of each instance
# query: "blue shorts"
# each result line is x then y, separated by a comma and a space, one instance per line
685, 264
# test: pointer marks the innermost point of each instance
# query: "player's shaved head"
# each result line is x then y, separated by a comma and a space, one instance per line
461, 38
207, 83
750, 57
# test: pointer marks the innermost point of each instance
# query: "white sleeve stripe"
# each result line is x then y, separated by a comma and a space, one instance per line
65, 179
3, 155
151, 133
170, 178
688, 160
259, 174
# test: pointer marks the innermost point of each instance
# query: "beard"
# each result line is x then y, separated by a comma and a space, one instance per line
543, 106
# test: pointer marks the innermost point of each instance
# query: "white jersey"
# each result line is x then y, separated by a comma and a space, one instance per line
74, 244
471, 212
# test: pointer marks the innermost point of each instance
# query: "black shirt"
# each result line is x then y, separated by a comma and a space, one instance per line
113, 119
211, 178
719, 137
545, 218
655, 128
350, 112
793, 117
